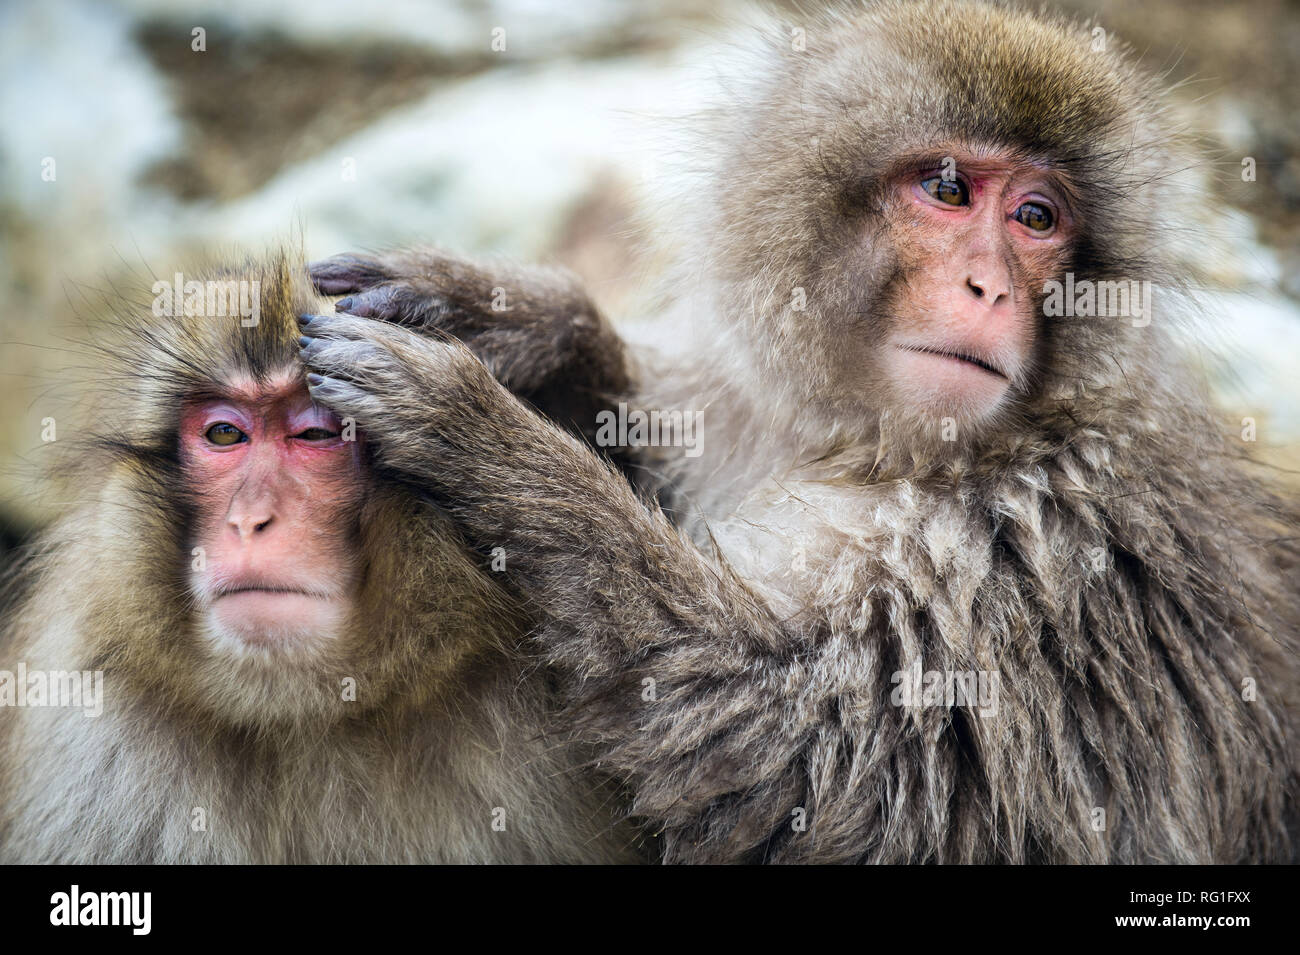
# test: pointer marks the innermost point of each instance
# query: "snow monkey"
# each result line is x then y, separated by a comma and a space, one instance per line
274, 654
965, 567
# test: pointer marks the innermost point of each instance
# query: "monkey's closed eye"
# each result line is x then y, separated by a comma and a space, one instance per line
316, 434
224, 434
1033, 215
949, 192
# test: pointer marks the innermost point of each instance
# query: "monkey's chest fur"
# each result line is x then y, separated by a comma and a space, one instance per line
1040, 669
134, 787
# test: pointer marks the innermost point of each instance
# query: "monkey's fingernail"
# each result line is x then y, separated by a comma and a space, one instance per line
314, 379
305, 319
304, 341
343, 304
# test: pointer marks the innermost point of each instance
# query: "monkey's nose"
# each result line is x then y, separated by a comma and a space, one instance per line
990, 287
247, 525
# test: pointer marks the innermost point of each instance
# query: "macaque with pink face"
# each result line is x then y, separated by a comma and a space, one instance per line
301, 662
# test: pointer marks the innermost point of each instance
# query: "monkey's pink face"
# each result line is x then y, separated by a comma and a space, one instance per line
976, 245
278, 490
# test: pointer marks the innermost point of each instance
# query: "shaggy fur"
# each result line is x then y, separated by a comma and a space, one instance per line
1105, 546
450, 716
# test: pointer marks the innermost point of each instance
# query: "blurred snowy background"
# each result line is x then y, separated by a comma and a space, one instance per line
345, 125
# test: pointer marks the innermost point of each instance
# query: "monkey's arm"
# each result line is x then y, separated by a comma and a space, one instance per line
534, 328
718, 747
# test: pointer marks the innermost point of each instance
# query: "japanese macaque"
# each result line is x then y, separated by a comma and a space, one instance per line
959, 575
275, 654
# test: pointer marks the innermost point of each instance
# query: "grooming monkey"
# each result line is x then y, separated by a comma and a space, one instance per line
301, 661
923, 469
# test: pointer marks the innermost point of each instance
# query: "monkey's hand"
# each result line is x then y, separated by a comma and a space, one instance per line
533, 328
439, 419
414, 395
626, 602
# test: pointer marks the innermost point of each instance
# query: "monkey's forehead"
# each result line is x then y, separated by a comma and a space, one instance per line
985, 72
237, 384
225, 331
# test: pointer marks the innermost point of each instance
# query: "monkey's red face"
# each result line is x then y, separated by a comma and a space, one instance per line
278, 490
976, 243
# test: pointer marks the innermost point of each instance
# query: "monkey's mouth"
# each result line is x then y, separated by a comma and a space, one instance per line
267, 597
257, 589
965, 357
275, 616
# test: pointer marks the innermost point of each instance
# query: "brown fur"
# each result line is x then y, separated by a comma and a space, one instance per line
1104, 546
450, 719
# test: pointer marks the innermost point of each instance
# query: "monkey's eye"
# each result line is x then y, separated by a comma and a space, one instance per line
224, 434
1034, 216
316, 434
949, 192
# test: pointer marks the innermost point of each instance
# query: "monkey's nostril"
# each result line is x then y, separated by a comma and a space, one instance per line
979, 292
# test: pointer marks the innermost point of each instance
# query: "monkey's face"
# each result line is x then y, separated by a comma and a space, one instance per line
891, 206
278, 491
975, 243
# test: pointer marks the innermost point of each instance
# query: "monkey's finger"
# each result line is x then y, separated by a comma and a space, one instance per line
379, 302
346, 399
344, 326
337, 326
390, 302
344, 273
343, 358
412, 306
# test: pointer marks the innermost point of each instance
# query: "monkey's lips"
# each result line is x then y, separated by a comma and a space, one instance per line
266, 614
945, 380
960, 357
